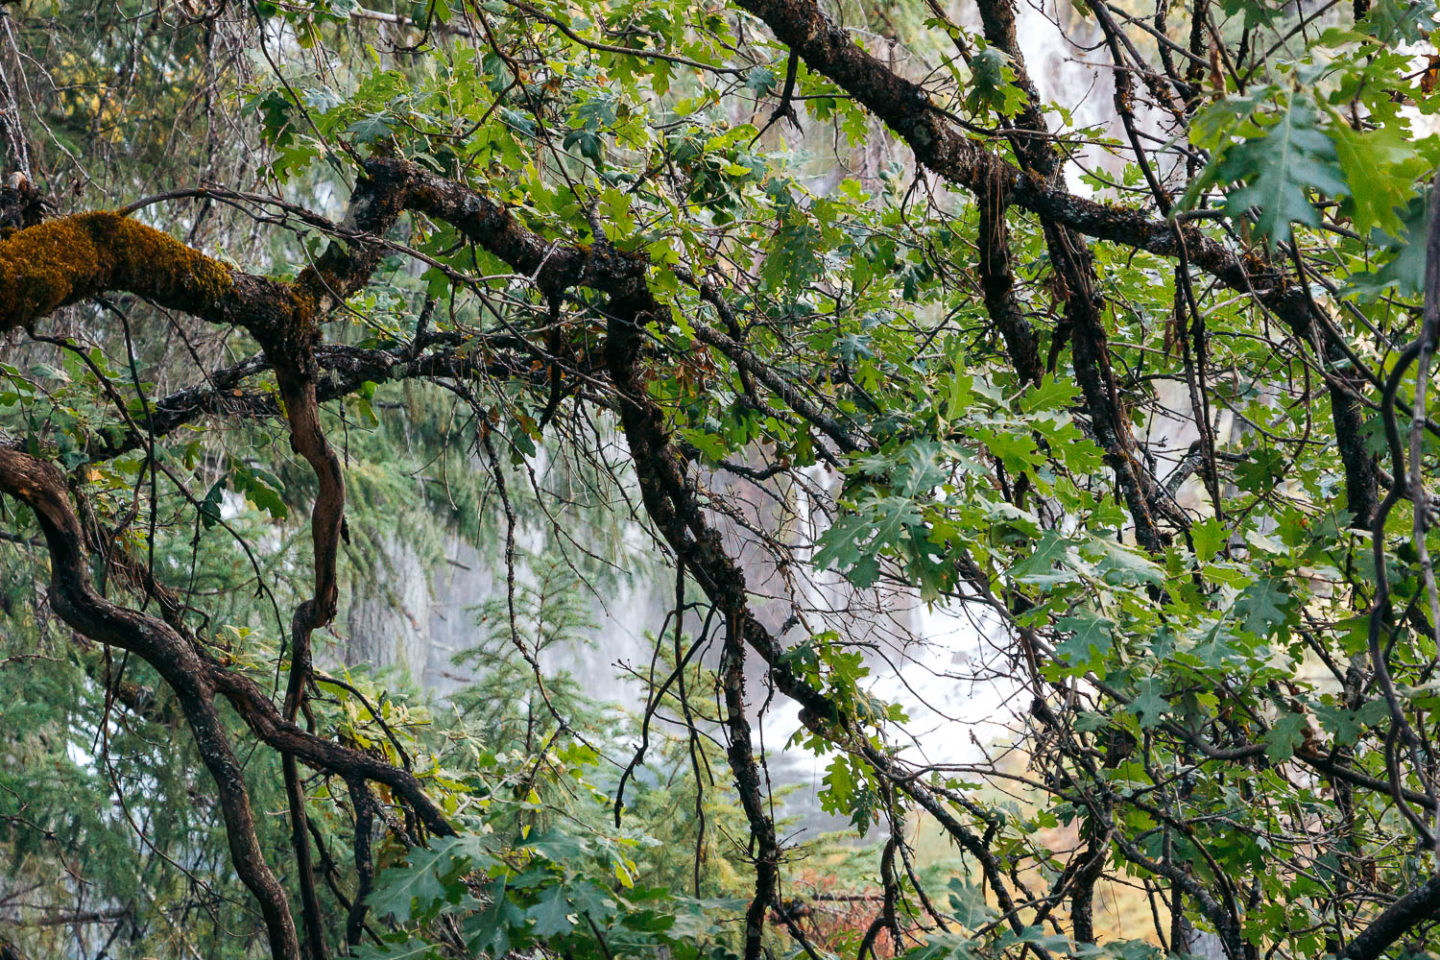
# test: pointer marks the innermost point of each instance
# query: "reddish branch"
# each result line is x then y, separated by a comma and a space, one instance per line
64, 261
344, 268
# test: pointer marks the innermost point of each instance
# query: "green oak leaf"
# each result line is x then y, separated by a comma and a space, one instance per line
1274, 172
551, 914
1089, 640
1381, 169
1263, 604
1148, 705
1285, 735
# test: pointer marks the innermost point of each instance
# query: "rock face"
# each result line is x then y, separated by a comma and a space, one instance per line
388, 624
1202, 945
418, 619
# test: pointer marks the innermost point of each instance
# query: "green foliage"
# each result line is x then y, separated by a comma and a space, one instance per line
1184, 707
573, 892
1276, 165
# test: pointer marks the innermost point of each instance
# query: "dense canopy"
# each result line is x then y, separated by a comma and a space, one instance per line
768, 478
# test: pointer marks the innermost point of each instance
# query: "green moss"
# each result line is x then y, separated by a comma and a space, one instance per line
68, 259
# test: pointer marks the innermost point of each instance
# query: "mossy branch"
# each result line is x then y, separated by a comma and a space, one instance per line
63, 261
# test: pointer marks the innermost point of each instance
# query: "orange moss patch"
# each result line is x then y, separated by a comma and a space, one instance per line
61, 261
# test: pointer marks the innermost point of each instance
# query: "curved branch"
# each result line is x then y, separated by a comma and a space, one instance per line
1418, 906
41, 487
63, 261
